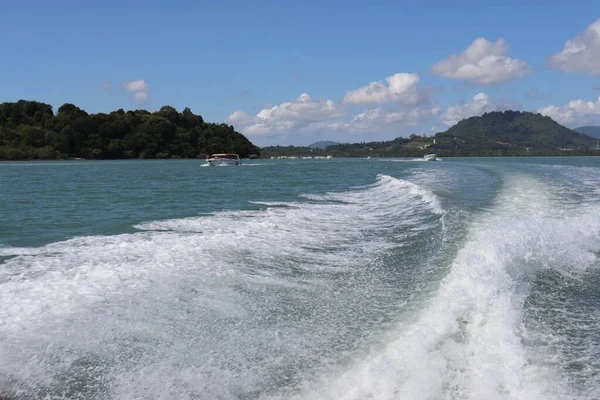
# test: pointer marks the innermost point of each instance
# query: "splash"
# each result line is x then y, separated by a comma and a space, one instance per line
468, 342
218, 304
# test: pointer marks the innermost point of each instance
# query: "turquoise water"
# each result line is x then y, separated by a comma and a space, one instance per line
301, 279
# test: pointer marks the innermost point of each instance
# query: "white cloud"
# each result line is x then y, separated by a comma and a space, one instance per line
578, 112
139, 85
483, 62
304, 108
400, 103
380, 120
140, 96
239, 117
581, 54
479, 105
401, 87
369, 115
295, 114
139, 88
304, 116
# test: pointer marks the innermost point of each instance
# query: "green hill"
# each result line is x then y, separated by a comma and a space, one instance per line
509, 133
31, 130
511, 130
322, 144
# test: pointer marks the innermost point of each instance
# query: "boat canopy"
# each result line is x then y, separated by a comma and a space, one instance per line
225, 155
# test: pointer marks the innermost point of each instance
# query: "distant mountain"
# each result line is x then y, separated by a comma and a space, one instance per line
511, 130
593, 131
322, 144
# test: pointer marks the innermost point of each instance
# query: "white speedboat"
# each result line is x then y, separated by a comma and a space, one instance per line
430, 157
222, 160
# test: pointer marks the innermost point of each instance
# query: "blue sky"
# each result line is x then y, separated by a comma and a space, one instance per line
292, 72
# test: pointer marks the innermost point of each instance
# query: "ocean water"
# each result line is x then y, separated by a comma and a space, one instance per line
301, 279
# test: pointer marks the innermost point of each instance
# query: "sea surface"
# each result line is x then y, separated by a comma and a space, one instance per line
301, 279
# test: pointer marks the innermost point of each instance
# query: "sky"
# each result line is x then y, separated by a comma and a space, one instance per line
294, 72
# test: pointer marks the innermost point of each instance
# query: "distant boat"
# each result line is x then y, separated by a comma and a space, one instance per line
222, 160
430, 157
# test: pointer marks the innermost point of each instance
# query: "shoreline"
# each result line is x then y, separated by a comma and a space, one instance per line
292, 157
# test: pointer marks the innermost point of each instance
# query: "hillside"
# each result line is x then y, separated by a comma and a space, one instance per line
408, 147
593, 131
322, 144
511, 130
497, 133
31, 130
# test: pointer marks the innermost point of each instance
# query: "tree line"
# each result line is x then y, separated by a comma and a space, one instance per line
31, 130
498, 133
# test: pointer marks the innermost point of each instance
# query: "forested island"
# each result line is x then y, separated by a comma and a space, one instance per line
31, 130
507, 133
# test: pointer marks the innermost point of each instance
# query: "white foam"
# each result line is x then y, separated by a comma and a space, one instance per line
387, 189
104, 294
272, 203
60, 278
468, 341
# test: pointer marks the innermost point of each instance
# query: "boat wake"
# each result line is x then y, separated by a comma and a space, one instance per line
470, 340
229, 305
383, 291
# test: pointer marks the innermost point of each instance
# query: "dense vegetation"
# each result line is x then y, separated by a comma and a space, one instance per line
593, 131
508, 133
322, 144
511, 130
399, 147
31, 130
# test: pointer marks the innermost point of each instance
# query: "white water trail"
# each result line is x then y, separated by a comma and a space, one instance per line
174, 308
467, 342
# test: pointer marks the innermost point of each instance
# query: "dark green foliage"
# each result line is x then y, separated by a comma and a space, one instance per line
30, 130
297, 151
322, 144
508, 133
511, 130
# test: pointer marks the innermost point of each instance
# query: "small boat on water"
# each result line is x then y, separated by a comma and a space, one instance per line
430, 157
224, 159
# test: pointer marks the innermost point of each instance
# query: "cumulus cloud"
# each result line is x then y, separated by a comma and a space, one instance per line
138, 87
395, 102
401, 87
579, 112
581, 54
294, 114
140, 96
381, 120
483, 62
304, 115
479, 105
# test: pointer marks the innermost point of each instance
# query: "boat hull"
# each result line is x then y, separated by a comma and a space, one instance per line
223, 163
